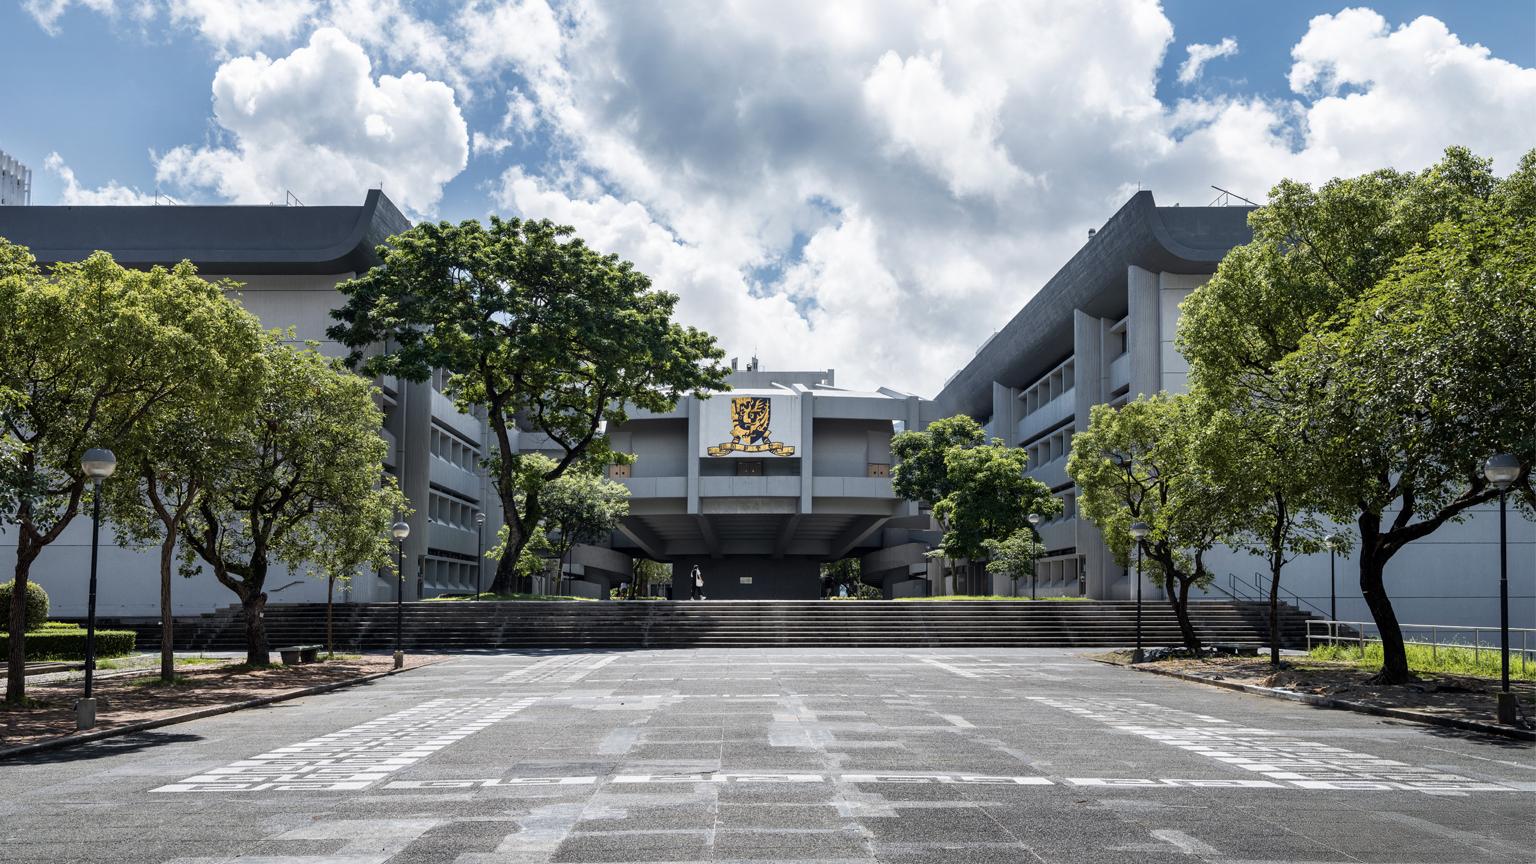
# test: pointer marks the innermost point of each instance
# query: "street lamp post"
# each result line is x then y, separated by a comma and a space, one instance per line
479, 551
1502, 470
400, 530
97, 464
1139, 530
1034, 561
1333, 597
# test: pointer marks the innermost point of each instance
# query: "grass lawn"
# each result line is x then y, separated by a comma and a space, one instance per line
540, 597
1483, 663
946, 598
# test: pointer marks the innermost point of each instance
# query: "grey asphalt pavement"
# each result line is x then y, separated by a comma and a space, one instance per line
966, 756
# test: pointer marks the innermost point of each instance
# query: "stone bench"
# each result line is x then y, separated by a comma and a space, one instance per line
294, 655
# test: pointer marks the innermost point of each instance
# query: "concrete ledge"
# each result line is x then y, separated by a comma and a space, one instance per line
1339, 704
198, 714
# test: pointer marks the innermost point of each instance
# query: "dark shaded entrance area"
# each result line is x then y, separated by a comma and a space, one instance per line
749, 578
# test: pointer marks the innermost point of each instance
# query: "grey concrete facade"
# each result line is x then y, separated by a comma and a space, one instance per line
758, 522
288, 261
1102, 331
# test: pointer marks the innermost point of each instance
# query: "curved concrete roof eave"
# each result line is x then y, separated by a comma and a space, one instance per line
220, 240
1172, 239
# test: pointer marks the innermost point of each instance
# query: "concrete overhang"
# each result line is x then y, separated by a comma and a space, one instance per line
1160, 239
220, 240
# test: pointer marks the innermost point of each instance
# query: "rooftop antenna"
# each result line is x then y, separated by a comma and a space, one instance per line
290, 199
159, 196
1225, 198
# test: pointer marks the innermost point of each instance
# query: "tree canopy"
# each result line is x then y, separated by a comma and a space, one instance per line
1384, 325
1138, 463
300, 484
90, 350
536, 328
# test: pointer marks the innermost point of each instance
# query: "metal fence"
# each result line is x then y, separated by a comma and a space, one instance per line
1522, 640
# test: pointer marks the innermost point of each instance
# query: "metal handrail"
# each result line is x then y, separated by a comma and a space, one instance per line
1264, 594
1331, 635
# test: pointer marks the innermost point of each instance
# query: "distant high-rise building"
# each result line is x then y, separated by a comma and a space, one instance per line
15, 181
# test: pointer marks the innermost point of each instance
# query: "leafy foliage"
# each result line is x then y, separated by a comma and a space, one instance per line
989, 499
89, 351
540, 331
1140, 463
1014, 556
1384, 326
299, 484
36, 609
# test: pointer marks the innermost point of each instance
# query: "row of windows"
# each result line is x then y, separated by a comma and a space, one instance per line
450, 575
1052, 384
443, 510
1051, 447
453, 450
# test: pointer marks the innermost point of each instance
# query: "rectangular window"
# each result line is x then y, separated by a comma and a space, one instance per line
749, 468
618, 472
879, 469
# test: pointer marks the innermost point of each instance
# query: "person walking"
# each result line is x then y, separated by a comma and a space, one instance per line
697, 577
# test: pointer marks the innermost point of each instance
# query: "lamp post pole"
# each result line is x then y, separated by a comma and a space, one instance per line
97, 464
400, 530
479, 551
1333, 598
1034, 560
1139, 531
1502, 470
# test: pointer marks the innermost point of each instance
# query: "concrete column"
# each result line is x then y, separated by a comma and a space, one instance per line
1143, 331
693, 453
807, 441
415, 449
1092, 388
1005, 413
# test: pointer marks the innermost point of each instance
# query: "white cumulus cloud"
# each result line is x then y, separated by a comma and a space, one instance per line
318, 124
113, 193
239, 25
1198, 55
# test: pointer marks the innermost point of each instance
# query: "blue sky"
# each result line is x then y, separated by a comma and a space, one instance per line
866, 186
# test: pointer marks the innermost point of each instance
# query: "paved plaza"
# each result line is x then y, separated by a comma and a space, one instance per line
776, 755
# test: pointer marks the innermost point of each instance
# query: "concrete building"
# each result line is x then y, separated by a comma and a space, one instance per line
288, 260
15, 182
760, 485
1101, 331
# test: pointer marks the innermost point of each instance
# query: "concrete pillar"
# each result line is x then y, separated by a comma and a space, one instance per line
1005, 413
1143, 331
693, 453
1092, 388
415, 451
807, 442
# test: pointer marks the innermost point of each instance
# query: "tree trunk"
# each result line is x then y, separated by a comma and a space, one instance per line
1274, 611
257, 652
1180, 603
167, 640
1394, 656
16, 678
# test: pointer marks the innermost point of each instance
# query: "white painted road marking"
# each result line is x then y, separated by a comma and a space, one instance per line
357, 757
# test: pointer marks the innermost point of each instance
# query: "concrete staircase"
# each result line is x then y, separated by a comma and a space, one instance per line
464, 626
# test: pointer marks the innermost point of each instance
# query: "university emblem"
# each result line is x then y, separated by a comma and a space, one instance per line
750, 416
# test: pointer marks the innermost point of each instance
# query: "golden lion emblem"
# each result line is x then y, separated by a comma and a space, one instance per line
750, 418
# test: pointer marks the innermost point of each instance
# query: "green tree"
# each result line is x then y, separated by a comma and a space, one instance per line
1014, 556
1268, 477
88, 351
299, 485
1392, 262
581, 507
170, 454
921, 473
1138, 463
540, 331
990, 498
644, 573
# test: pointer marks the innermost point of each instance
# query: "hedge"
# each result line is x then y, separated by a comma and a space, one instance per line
37, 605
62, 643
